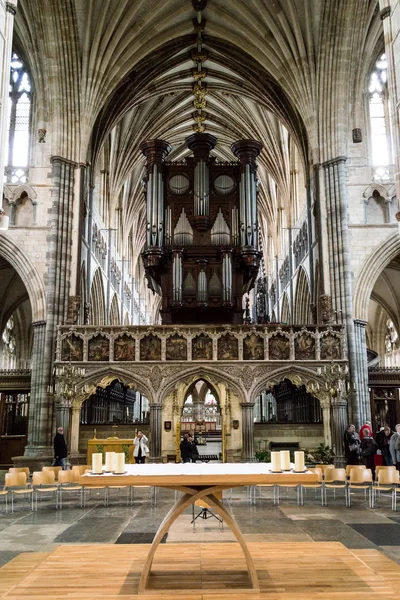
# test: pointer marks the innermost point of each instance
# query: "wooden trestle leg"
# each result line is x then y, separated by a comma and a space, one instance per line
190, 495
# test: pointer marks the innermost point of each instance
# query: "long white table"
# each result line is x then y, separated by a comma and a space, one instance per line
198, 481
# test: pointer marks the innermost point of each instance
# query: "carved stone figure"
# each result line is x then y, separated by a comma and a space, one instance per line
74, 304
326, 309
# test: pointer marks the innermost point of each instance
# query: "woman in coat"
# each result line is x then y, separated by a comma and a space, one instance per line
351, 446
141, 448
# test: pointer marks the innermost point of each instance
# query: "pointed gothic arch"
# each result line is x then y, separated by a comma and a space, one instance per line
97, 301
302, 303
115, 318
285, 310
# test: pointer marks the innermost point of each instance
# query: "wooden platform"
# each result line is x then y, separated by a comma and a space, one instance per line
298, 571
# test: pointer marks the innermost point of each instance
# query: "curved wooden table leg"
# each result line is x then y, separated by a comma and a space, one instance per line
190, 496
230, 521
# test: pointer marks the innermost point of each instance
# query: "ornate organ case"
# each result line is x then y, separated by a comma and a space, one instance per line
202, 251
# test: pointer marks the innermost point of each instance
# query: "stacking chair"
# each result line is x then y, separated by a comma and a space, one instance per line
56, 470
96, 489
4, 498
360, 479
20, 470
386, 480
43, 484
317, 485
260, 486
66, 485
383, 468
350, 467
323, 468
335, 479
16, 484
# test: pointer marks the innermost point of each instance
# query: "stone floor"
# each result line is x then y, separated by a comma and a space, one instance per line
356, 527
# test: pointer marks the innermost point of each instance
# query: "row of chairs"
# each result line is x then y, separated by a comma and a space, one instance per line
57, 483
351, 479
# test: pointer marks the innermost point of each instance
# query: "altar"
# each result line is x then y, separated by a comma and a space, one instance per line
111, 444
198, 482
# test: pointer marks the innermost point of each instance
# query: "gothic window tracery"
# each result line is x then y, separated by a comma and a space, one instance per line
19, 110
381, 155
8, 340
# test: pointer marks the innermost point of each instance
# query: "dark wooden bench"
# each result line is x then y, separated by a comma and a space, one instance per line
207, 457
284, 446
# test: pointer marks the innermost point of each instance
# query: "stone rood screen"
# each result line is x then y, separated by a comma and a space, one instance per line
252, 343
201, 251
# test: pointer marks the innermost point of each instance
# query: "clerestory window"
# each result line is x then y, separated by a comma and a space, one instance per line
19, 111
381, 151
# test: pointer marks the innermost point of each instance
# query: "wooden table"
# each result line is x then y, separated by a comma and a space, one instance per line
198, 481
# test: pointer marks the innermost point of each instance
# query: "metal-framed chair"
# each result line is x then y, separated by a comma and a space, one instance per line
67, 485
386, 481
16, 484
317, 485
335, 479
360, 479
43, 483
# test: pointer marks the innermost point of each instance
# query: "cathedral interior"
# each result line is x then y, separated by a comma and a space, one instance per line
199, 227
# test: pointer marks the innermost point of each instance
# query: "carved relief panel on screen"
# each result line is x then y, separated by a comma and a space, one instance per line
202, 348
72, 349
304, 347
124, 348
176, 348
329, 347
279, 347
253, 347
150, 348
228, 348
99, 348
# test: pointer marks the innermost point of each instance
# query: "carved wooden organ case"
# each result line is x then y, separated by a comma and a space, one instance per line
201, 251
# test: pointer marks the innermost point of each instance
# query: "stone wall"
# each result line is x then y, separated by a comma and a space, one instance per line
308, 436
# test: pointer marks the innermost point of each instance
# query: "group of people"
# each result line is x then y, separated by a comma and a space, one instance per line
140, 449
188, 448
362, 448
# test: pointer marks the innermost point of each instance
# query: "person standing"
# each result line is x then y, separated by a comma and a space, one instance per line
368, 451
366, 429
395, 447
383, 442
141, 449
186, 449
351, 446
194, 453
60, 449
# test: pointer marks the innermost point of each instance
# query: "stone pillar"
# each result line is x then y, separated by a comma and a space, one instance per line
247, 431
8, 11
361, 383
339, 262
74, 431
155, 432
63, 415
326, 416
338, 427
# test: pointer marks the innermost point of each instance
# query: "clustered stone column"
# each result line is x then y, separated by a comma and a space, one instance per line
339, 424
361, 384
339, 262
155, 432
247, 431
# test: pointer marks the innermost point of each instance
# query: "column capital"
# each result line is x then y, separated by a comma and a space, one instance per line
155, 406
334, 161
11, 8
66, 161
247, 404
39, 324
385, 12
360, 323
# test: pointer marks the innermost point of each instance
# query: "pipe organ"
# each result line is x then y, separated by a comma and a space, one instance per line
201, 251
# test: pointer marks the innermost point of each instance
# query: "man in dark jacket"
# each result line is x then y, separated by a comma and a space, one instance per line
186, 449
60, 448
383, 441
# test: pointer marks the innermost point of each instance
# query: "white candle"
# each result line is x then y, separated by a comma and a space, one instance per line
285, 460
276, 462
97, 462
299, 464
110, 461
119, 463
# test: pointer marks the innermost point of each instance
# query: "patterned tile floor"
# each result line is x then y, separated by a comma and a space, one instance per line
356, 527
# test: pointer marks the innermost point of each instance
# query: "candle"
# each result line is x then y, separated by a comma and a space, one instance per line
97, 462
299, 464
276, 462
285, 460
110, 461
119, 463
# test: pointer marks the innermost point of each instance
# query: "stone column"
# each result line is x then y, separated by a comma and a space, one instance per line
339, 262
247, 431
155, 432
8, 10
63, 415
338, 427
326, 416
361, 383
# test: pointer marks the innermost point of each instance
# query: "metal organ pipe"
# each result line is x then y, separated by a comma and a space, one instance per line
177, 277
201, 189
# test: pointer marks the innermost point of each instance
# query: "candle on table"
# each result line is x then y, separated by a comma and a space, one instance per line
276, 462
119, 462
299, 464
110, 461
97, 462
285, 460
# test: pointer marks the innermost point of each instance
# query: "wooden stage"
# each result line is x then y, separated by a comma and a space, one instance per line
295, 571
